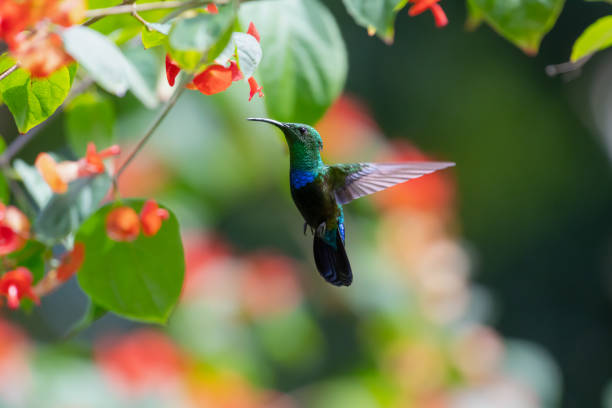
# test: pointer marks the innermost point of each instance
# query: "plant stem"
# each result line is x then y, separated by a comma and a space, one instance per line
8, 71
180, 88
128, 8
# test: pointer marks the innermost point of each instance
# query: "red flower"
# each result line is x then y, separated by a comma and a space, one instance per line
58, 175
236, 73
172, 70
71, 262
212, 8
255, 88
41, 52
14, 229
141, 361
122, 224
151, 217
270, 285
214, 79
253, 31
421, 6
16, 285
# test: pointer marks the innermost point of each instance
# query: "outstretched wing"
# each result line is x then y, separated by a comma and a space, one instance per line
352, 181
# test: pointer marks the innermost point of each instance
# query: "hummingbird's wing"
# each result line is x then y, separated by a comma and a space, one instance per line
351, 181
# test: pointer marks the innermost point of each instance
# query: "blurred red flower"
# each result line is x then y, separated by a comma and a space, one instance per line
123, 224
212, 8
142, 360
172, 70
151, 217
253, 31
14, 229
16, 285
71, 262
255, 89
348, 129
214, 79
201, 253
269, 284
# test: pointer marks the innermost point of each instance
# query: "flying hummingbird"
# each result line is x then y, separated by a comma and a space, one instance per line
319, 191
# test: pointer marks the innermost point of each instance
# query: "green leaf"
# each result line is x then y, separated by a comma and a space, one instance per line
523, 22
596, 37
201, 32
377, 16
90, 117
32, 100
64, 213
305, 63
156, 35
31, 256
106, 64
248, 50
139, 280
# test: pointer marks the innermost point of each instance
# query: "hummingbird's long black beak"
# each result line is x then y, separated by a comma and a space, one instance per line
273, 122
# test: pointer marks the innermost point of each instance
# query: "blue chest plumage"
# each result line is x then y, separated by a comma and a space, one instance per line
300, 178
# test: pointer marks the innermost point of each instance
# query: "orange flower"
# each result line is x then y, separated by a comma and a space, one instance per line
93, 162
38, 50
16, 285
14, 229
212, 8
151, 217
71, 262
421, 6
255, 88
214, 79
253, 31
172, 70
122, 224
58, 175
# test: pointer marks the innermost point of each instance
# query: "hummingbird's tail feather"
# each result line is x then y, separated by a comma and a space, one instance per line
332, 263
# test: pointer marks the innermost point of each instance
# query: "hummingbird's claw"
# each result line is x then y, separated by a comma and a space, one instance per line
305, 227
321, 229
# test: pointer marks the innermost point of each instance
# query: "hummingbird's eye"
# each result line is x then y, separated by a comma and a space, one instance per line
303, 130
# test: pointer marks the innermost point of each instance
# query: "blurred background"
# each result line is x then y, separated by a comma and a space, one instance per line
487, 285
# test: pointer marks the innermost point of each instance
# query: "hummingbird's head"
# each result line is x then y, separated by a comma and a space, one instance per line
298, 135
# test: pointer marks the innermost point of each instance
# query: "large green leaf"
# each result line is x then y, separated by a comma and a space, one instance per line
32, 100
596, 37
523, 22
304, 65
141, 279
376, 15
106, 64
90, 117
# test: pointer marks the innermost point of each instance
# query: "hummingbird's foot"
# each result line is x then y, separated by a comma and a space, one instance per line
321, 230
305, 227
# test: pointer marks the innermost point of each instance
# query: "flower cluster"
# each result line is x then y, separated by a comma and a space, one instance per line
29, 28
216, 77
123, 224
420, 6
59, 175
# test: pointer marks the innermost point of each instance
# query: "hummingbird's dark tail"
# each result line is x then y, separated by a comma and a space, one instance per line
332, 263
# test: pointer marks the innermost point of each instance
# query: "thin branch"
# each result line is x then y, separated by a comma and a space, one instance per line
8, 71
128, 8
158, 119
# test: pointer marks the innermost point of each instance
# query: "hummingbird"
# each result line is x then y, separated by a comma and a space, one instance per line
319, 191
